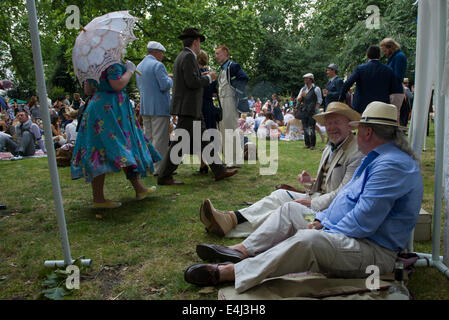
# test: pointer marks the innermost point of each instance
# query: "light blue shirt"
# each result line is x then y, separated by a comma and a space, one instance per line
154, 86
382, 201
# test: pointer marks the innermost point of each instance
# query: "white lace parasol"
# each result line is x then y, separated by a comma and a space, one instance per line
101, 44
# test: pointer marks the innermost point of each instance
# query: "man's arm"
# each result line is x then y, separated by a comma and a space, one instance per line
192, 77
237, 73
318, 96
163, 80
384, 185
37, 134
347, 85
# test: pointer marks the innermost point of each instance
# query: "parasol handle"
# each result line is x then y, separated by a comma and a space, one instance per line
82, 28
137, 71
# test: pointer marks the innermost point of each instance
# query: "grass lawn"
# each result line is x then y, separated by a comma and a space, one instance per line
140, 250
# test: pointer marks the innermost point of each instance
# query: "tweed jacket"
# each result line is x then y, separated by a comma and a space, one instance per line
341, 169
187, 99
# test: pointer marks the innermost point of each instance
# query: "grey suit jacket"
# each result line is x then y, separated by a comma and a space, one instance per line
341, 169
187, 86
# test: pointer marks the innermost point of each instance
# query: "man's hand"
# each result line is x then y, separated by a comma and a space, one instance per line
214, 75
170, 75
305, 202
325, 92
315, 225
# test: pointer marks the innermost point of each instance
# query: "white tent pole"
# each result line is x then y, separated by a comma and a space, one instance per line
439, 108
42, 91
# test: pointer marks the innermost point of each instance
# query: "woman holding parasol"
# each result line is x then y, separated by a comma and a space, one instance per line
109, 138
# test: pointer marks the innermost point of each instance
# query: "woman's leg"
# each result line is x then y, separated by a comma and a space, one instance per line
98, 189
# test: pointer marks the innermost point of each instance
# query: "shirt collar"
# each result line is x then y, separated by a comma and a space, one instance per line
338, 146
225, 65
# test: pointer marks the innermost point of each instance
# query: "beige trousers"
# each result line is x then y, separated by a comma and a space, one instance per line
257, 213
283, 245
157, 130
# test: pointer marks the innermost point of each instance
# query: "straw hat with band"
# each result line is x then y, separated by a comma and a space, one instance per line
338, 108
379, 113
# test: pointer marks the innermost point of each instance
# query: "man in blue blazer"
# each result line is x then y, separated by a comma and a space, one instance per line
154, 86
374, 82
333, 87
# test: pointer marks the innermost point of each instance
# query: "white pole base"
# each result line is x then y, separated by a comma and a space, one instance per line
61, 263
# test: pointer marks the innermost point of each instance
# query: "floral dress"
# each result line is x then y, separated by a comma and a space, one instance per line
109, 137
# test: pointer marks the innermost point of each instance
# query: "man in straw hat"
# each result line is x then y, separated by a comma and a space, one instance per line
338, 162
368, 222
187, 104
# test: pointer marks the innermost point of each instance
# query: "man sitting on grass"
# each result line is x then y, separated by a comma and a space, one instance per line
368, 223
27, 133
338, 162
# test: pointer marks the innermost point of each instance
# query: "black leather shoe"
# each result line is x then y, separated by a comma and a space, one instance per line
203, 275
216, 253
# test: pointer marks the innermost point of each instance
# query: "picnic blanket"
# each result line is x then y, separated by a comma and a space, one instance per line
309, 285
306, 286
8, 155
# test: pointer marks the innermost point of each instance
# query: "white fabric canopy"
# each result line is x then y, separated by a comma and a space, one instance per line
432, 71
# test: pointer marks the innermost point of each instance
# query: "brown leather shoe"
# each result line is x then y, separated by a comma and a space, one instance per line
216, 253
168, 182
226, 174
203, 275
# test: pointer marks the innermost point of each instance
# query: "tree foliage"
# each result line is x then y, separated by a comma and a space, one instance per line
275, 41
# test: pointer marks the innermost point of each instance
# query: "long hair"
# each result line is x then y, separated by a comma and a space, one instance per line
395, 135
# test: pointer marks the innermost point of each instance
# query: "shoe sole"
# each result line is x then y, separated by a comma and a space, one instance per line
207, 253
203, 218
214, 227
150, 191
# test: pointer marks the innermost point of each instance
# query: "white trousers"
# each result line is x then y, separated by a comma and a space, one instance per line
283, 245
157, 130
257, 213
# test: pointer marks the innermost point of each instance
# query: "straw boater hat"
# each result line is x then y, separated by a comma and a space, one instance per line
379, 113
339, 108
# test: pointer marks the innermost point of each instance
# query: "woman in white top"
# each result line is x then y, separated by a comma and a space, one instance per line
294, 130
268, 128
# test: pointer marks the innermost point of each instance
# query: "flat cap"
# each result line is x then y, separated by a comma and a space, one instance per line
154, 45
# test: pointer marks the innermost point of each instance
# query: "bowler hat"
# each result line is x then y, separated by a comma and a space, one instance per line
191, 33
338, 108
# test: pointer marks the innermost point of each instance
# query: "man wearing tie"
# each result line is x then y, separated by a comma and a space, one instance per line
333, 87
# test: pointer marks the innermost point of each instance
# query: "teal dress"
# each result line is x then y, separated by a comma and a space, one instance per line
109, 137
